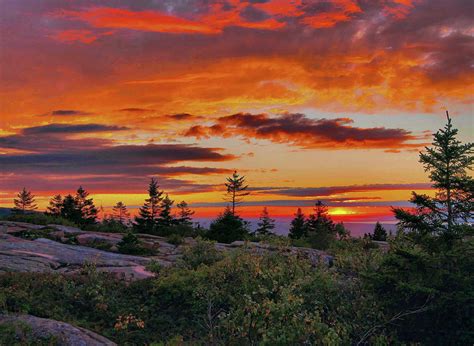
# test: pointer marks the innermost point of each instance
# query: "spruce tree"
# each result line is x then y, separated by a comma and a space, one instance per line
298, 226
228, 228
165, 218
55, 205
24, 203
266, 224
148, 214
184, 214
321, 230
120, 213
236, 190
86, 208
380, 233
69, 209
447, 162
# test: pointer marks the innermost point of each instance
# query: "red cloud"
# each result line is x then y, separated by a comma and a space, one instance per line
305, 132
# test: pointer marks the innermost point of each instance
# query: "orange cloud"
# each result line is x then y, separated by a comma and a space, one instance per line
342, 11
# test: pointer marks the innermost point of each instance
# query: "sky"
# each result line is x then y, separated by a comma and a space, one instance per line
328, 100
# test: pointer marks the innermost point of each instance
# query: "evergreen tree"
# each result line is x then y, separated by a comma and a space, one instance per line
320, 228
266, 224
55, 205
341, 231
298, 226
69, 209
184, 214
120, 213
24, 203
447, 162
236, 190
148, 214
380, 233
86, 208
165, 218
228, 228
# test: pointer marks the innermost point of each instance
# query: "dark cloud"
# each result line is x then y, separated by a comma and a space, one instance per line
68, 112
333, 190
136, 110
305, 132
71, 129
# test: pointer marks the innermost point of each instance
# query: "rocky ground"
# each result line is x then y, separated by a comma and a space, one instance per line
62, 249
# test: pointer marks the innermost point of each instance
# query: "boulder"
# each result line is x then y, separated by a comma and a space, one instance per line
62, 333
45, 255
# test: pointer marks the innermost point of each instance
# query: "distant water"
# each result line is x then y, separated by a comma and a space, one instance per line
282, 225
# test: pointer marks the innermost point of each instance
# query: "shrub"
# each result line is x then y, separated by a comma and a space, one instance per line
108, 226
40, 219
175, 239
131, 245
203, 252
228, 228
154, 267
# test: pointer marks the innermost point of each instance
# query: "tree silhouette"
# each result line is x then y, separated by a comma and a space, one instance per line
69, 209
266, 224
25, 202
165, 218
120, 213
320, 228
85, 206
148, 214
379, 232
228, 228
236, 190
447, 162
298, 226
184, 214
55, 205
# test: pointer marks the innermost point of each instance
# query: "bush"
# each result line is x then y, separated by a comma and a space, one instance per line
175, 239
108, 226
131, 245
40, 219
203, 252
228, 228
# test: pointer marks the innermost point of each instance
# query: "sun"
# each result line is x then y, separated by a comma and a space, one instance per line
341, 211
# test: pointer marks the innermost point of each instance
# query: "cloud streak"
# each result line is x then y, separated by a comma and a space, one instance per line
304, 132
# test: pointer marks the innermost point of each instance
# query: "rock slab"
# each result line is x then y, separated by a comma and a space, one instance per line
63, 333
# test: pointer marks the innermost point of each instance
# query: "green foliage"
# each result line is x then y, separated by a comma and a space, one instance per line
154, 267
435, 289
148, 214
19, 333
202, 252
447, 161
24, 203
266, 224
131, 245
236, 190
175, 239
380, 233
40, 219
298, 226
228, 228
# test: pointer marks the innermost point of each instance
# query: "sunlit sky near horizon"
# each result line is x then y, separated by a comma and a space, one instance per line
328, 100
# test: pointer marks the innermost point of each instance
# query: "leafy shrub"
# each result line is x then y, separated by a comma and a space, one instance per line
154, 267
100, 244
175, 239
108, 226
19, 333
40, 219
203, 252
131, 245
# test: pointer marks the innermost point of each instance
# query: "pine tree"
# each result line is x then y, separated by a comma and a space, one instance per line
184, 214
266, 224
228, 228
148, 214
55, 205
165, 218
86, 208
236, 190
24, 203
447, 162
380, 233
69, 209
120, 213
321, 230
298, 226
